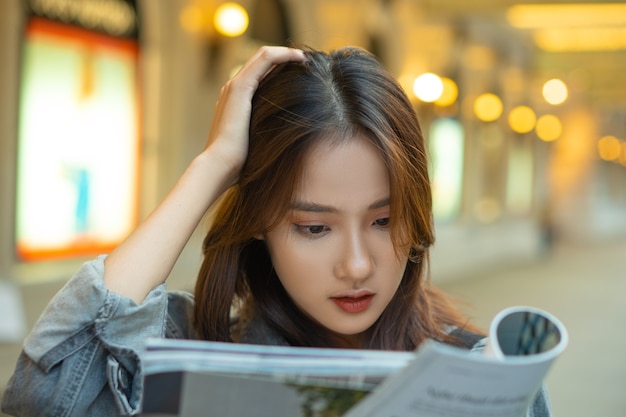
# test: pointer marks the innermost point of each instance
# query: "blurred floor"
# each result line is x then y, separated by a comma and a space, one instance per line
583, 285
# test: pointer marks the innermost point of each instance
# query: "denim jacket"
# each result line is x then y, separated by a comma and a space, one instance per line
82, 356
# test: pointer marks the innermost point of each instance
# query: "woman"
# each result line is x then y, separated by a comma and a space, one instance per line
320, 238
303, 114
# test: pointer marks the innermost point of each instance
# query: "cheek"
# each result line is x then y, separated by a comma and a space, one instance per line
299, 268
397, 271
394, 261
394, 271
291, 262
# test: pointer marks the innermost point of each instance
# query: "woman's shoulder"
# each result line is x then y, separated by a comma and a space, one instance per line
249, 327
246, 327
179, 323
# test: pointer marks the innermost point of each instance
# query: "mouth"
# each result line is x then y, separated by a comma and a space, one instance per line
355, 302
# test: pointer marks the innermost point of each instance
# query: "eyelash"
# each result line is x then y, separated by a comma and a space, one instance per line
306, 230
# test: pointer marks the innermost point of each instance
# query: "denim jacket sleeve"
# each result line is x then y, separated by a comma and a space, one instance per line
81, 357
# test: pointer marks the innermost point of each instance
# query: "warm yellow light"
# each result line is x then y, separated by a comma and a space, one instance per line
192, 19
573, 27
622, 156
566, 15
609, 148
428, 87
406, 82
449, 94
555, 91
488, 107
548, 128
231, 19
581, 39
522, 119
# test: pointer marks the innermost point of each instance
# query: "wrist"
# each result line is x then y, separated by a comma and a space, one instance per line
219, 165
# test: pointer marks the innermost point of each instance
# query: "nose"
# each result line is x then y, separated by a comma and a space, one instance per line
356, 262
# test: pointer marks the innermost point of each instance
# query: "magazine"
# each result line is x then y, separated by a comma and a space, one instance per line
198, 378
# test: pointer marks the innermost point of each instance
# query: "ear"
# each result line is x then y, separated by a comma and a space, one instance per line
259, 237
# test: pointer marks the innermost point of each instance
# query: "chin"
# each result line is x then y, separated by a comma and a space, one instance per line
350, 330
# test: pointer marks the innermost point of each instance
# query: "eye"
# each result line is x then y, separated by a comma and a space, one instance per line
382, 222
312, 230
315, 230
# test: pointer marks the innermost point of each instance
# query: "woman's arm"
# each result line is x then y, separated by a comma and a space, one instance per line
81, 358
147, 256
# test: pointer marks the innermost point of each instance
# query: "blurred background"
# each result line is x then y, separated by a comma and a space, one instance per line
103, 103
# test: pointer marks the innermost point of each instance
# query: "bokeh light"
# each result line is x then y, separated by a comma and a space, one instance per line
555, 91
549, 128
231, 19
522, 119
449, 94
488, 107
428, 87
609, 148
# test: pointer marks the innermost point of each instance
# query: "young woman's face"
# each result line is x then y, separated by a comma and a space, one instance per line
333, 251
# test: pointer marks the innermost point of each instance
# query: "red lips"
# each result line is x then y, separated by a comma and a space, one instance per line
352, 304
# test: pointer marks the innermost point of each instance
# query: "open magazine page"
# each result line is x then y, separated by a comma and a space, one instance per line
502, 381
194, 378
202, 394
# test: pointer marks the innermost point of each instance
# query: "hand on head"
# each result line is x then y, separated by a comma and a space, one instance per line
229, 131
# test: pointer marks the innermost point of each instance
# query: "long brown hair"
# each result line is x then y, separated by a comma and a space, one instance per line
338, 95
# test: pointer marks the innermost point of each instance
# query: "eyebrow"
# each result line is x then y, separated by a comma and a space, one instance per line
321, 208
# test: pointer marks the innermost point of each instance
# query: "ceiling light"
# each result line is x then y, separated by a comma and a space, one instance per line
533, 16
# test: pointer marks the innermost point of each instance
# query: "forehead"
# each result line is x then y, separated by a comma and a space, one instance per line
339, 171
